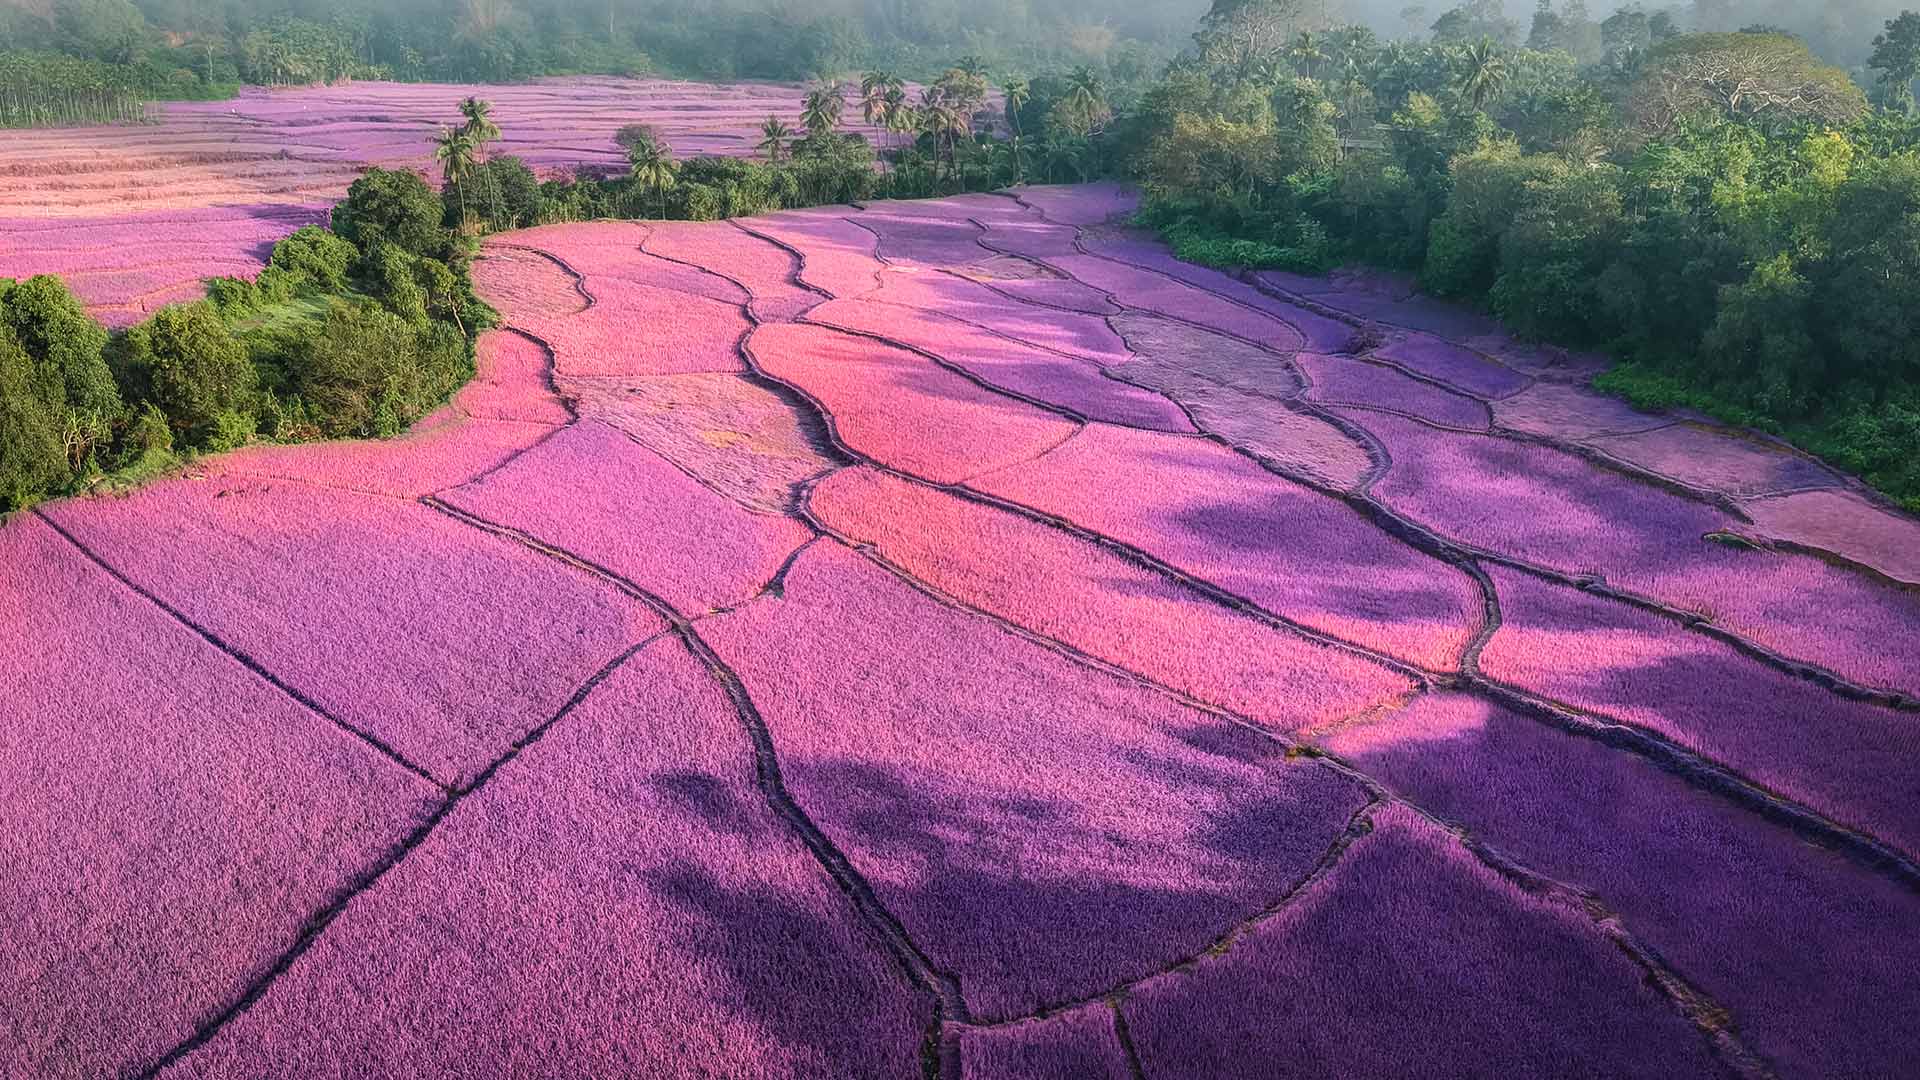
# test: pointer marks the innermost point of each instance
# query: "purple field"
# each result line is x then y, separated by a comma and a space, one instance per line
143, 214
957, 640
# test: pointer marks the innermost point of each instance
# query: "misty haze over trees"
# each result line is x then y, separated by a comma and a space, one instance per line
191, 48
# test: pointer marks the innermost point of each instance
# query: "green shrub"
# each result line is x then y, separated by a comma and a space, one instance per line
502, 191
188, 363
314, 257
33, 453
390, 279
372, 373
393, 206
67, 347
233, 297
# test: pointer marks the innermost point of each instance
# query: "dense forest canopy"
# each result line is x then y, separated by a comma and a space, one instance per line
182, 48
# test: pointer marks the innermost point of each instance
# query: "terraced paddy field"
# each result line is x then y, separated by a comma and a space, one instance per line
955, 639
135, 217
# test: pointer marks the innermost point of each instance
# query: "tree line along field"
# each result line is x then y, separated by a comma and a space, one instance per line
956, 638
135, 217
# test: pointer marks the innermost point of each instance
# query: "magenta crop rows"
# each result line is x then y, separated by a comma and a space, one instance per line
947, 639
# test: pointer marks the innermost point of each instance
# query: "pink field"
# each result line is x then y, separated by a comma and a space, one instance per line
1809, 950
762, 270
1845, 759
1076, 593
715, 946
596, 494
1145, 290
1342, 981
760, 669
1052, 378
1042, 856
1244, 395
1084, 1044
1084, 337
1341, 380
155, 858
836, 256
147, 212
1701, 457
904, 411
690, 333
1553, 509
1455, 366
344, 595
1217, 516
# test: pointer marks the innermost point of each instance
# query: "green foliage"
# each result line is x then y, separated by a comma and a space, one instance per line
1719, 209
188, 363
33, 457
393, 206
314, 258
75, 386
372, 373
502, 192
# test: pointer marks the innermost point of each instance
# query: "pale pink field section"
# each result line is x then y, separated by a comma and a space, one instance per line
957, 639
136, 217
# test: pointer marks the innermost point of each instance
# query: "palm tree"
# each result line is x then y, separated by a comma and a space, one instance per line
821, 111
654, 169
1305, 51
1483, 72
972, 66
480, 128
879, 90
1083, 95
1019, 92
774, 136
454, 151
943, 123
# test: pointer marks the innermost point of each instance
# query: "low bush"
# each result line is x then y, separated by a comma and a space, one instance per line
372, 373
187, 362
393, 206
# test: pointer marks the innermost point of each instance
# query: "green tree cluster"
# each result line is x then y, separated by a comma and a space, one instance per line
1724, 211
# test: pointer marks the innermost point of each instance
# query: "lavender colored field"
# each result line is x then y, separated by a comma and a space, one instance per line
1340, 380
1342, 981
1043, 376
1812, 954
764, 271
1849, 760
1217, 516
1084, 1044
692, 333
1320, 333
1144, 290
1067, 589
1244, 395
1043, 855
1702, 457
595, 493
715, 947
155, 859
212, 185
1847, 527
836, 256
1552, 508
369, 580
1454, 365
1084, 337
903, 410
554, 738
